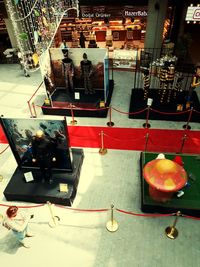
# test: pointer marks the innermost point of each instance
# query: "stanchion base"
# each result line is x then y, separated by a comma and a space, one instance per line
33, 117
110, 124
112, 226
146, 125
1, 178
103, 151
1, 217
171, 232
73, 122
187, 127
54, 222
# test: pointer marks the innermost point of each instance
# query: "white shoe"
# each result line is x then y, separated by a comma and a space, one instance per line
180, 193
24, 244
29, 235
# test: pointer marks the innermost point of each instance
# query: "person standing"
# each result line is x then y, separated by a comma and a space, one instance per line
18, 223
86, 72
82, 40
68, 71
63, 45
195, 82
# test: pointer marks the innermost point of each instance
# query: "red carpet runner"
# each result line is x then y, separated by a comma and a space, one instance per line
132, 139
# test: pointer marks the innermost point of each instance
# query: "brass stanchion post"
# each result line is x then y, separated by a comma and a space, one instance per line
110, 123
171, 231
73, 121
146, 141
1, 218
183, 142
147, 124
55, 219
30, 109
112, 225
33, 105
102, 150
187, 126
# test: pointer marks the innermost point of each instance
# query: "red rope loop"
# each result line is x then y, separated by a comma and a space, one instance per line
160, 146
4, 150
73, 108
198, 112
83, 137
35, 92
127, 139
190, 217
127, 113
24, 207
82, 210
170, 113
145, 215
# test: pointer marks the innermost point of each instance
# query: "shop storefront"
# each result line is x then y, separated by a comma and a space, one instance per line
105, 24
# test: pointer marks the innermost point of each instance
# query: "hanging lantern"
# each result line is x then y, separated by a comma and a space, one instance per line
35, 58
23, 36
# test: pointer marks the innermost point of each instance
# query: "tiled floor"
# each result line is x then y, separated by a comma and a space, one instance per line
81, 238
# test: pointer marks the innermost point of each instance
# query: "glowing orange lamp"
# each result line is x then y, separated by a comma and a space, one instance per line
164, 177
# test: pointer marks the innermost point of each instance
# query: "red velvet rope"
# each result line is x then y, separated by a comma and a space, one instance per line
160, 146
122, 112
4, 150
104, 210
86, 210
84, 137
145, 215
24, 207
170, 113
196, 111
127, 139
131, 113
191, 217
35, 92
74, 108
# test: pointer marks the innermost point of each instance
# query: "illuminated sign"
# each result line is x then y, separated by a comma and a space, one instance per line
131, 13
193, 13
113, 11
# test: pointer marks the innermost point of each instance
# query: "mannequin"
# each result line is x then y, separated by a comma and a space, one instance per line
68, 71
43, 150
86, 71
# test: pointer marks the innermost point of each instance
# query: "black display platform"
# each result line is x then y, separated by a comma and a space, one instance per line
189, 203
138, 103
62, 101
36, 192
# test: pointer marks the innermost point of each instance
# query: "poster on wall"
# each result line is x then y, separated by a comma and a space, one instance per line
20, 133
76, 55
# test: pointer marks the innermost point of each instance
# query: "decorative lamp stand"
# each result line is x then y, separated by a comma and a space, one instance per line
165, 177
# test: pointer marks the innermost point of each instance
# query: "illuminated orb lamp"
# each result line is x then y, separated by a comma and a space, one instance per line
164, 177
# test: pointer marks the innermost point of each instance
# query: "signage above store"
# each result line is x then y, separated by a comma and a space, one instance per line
193, 14
95, 15
101, 12
133, 13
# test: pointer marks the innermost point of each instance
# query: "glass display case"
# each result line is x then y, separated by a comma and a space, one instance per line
124, 58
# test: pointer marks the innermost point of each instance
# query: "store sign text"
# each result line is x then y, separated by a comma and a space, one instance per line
193, 14
96, 15
139, 13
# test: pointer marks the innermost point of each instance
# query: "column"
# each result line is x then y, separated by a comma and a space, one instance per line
10, 31
155, 23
